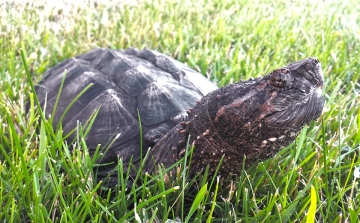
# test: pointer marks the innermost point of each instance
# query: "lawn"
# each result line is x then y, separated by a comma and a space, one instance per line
315, 179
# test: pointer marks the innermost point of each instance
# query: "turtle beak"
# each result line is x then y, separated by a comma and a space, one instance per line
320, 74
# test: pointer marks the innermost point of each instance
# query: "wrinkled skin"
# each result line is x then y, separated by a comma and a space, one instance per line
254, 118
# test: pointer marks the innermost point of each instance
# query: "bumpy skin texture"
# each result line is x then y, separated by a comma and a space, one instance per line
254, 118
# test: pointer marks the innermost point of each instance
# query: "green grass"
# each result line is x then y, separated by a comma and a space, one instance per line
315, 179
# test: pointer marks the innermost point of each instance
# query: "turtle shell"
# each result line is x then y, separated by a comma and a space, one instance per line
126, 85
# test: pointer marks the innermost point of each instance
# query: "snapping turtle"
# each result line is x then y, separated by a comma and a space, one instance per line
253, 118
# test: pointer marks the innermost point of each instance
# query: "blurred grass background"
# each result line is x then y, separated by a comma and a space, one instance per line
226, 40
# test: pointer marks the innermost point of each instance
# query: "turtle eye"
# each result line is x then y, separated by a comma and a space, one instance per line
280, 79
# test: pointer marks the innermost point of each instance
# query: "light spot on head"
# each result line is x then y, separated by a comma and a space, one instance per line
264, 142
272, 139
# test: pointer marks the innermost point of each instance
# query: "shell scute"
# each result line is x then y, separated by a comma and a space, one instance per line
123, 82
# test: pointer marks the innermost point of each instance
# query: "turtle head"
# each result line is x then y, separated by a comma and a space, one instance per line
294, 94
286, 98
256, 118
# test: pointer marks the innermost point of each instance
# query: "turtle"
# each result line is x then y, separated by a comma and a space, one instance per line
149, 103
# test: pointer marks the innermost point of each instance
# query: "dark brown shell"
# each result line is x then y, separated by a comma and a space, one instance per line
161, 88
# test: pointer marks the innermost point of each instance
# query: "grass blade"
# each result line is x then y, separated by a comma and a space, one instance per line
312, 209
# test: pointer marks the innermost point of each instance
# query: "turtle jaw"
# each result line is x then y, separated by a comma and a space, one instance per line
281, 128
296, 115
